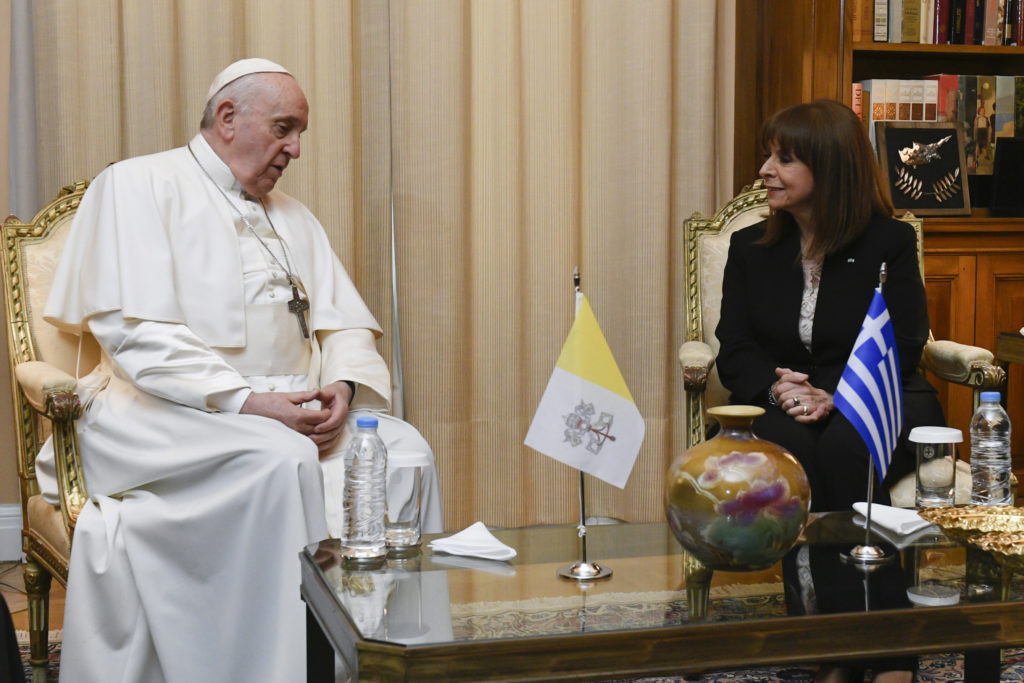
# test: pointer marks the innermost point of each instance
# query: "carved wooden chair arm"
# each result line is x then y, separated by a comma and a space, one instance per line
51, 392
38, 380
696, 359
970, 366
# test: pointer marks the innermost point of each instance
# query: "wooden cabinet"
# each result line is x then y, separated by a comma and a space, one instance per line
974, 274
792, 51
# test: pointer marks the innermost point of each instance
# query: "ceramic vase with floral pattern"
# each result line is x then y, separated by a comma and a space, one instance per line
737, 502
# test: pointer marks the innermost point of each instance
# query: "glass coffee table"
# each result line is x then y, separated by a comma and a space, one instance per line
442, 617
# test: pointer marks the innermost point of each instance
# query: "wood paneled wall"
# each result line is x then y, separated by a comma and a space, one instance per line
787, 52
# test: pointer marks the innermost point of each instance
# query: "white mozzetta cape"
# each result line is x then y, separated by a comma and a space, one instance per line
153, 238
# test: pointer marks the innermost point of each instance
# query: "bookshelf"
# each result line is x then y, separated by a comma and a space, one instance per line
947, 52
910, 60
800, 50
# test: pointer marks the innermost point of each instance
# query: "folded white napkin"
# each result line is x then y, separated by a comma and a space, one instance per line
899, 520
475, 541
929, 534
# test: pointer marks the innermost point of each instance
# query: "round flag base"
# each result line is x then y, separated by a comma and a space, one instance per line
866, 558
585, 571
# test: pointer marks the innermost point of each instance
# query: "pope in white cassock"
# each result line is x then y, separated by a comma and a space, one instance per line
234, 344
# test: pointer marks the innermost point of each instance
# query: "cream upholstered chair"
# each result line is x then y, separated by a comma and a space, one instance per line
706, 248
43, 363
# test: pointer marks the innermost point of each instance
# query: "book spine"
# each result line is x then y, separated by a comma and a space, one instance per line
969, 89
978, 34
863, 20
1003, 114
1018, 24
892, 99
869, 94
942, 16
875, 97
857, 100
1008, 14
1018, 103
984, 122
991, 34
911, 28
948, 97
878, 90
904, 102
881, 21
865, 97
895, 20
1002, 38
917, 100
969, 9
930, 95
928, 22
957, 9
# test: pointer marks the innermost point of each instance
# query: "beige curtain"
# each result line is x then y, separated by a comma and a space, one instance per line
521, 138
531, 137
119, 78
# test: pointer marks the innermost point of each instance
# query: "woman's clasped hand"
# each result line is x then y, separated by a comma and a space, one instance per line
798, 398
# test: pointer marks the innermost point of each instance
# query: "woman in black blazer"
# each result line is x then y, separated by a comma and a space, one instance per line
795, 292
797, 287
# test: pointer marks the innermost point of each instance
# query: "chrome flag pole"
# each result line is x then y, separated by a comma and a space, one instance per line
587, 419
867, 556
583, 570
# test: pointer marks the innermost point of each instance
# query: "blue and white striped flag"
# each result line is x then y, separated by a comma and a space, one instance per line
870, 392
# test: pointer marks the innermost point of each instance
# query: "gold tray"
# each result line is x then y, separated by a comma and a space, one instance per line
1006, 546
965, 523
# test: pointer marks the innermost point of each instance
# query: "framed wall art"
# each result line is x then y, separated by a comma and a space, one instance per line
925, 167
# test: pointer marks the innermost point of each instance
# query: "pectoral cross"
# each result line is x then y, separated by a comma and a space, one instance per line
299, 306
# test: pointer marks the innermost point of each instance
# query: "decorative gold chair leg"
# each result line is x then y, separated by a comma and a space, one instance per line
37, 586
698, 586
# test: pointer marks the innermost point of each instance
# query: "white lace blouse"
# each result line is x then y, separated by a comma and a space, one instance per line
812, 280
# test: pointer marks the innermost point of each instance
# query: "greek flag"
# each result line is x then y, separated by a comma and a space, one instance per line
870, 393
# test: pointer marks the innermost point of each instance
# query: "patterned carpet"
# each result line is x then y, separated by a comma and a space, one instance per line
54, 649
932, 669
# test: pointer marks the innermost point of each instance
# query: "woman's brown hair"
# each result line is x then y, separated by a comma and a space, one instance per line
849, 188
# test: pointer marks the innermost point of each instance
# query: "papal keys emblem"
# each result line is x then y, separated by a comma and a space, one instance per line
581, 426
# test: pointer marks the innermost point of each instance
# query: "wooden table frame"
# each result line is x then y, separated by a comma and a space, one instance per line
979, 629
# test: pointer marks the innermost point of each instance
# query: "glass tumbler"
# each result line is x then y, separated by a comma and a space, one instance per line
936, 464
405, 491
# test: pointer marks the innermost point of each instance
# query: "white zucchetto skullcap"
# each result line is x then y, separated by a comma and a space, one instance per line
243, 67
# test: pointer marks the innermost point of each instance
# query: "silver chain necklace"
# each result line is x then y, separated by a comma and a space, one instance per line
297, 304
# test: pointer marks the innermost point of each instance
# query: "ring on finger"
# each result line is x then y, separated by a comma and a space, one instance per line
796, 400
805, 410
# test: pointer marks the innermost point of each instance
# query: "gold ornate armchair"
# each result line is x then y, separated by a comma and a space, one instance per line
706, 248
43, 364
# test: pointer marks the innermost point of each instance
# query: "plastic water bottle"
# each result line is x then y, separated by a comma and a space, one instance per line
990, 453
366, 462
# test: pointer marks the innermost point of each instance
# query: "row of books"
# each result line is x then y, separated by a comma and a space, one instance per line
986, 107
939, 22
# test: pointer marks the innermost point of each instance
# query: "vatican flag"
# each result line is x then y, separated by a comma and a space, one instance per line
587, 418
